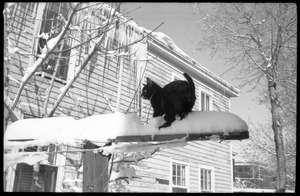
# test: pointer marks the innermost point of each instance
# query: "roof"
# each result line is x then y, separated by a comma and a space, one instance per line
187, 64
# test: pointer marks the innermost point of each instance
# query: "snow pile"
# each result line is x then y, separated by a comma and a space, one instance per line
66, 130
200, 122
24, 157
163, 38
169, 43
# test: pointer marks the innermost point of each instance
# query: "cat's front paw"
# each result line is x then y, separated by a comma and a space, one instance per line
166, 124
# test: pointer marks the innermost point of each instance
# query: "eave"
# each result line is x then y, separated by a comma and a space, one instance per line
193, 68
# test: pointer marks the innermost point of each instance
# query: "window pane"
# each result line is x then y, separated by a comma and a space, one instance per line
205, 180
183, 175
174, 169
202, 102
207, 103
209, 180
174, 180
178, 170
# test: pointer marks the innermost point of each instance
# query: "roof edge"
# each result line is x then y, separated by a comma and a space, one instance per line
193, 67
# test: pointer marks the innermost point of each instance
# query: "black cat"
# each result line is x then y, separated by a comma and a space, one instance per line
177, 97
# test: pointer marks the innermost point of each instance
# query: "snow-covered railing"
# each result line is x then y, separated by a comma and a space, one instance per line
119, 127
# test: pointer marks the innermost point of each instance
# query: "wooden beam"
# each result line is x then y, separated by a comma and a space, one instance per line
95, 171
190, 137
158, 138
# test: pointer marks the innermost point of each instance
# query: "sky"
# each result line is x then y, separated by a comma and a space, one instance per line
180, 24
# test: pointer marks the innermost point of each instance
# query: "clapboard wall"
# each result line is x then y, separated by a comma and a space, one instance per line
89, 95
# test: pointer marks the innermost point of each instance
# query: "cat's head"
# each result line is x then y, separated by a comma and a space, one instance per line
148, 89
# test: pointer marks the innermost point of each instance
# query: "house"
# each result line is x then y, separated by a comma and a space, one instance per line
253, 175
111, 81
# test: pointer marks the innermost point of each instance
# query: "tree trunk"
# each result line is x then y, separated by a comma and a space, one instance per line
279, 144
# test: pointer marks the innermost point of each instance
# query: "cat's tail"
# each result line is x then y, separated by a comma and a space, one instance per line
190, 81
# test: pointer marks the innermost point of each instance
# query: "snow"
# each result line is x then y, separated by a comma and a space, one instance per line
166, 40
121, 171
200, 122
125, 172
144, 147
126, 37
30, 158
66, 130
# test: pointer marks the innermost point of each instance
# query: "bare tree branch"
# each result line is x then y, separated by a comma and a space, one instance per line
40, 61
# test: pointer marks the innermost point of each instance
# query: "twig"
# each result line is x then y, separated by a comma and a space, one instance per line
44, 112
130, 159
132, 10
90, 6
91, 39
68, 85
42, 60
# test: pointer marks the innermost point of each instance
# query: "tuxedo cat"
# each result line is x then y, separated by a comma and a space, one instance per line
176, 98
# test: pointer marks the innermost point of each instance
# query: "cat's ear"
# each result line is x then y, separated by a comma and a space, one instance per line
149, 82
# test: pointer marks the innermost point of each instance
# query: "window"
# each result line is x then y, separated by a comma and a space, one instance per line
24, 181
179, 177
52, 23
247, 171
206, 179
205, 101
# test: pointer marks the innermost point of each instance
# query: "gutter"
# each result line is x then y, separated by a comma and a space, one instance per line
193, 68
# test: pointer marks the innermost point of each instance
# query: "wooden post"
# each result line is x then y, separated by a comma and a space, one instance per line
95, 171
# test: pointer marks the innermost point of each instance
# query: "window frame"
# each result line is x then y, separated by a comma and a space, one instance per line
251, 174
187, 175
212, 180
66, 44
206, 94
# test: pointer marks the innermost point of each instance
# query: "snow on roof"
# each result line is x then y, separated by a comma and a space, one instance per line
66, 130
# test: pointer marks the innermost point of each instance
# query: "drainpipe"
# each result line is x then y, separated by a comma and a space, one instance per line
119, 85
